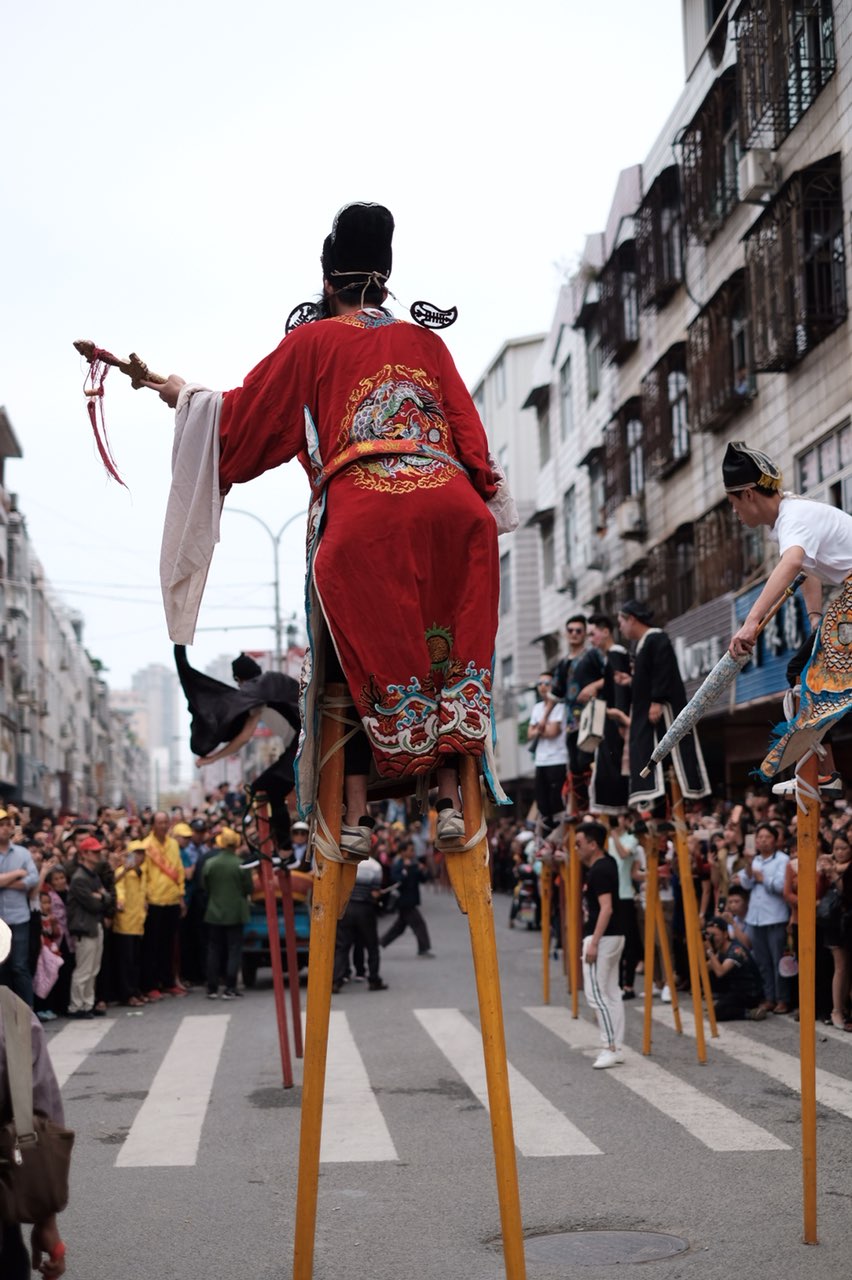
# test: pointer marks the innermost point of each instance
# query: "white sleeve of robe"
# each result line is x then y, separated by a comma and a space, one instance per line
191, 529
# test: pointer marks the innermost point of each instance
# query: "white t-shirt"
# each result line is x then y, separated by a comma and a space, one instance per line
550, 750
823, 532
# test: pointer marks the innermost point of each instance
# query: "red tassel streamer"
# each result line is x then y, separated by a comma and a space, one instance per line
93, 388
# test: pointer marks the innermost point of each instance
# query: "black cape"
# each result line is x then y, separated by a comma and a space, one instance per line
219, 711
657, 678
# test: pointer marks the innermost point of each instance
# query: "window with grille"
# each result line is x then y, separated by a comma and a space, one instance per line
566, 406
710, 156
543, 435
547, 533
727, 554
824, 470
505, 583
785, 56
796, 265
719, 361
665, 413
619, 306
593, 362
659, 247
569, 522
624, 455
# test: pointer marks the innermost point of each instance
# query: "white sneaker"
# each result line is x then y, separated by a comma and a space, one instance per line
606, 1058
356, 842
619, 1056
450, 827
666, 995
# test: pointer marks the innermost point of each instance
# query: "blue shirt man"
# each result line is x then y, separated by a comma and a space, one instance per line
18, 877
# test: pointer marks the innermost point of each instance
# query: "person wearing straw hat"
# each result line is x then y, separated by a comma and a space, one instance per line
47, 1246
814, 538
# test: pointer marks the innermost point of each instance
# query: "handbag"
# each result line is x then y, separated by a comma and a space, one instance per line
592, 725
829, 910
35, 1153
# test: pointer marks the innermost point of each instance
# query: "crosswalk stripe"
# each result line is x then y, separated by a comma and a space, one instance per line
716, 1126
832, 1091
69, 1047
167, 1128
353, 1127
540, 1129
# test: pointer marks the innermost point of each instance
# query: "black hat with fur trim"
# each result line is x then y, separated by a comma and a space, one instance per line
359, 245
745, 468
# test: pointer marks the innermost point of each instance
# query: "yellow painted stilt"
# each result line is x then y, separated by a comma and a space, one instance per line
651, 902
808, 829
546, 890
470, 871
694, 942
575, 926
325, 908
668, 967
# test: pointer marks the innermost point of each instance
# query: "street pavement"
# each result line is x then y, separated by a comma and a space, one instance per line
185, 1161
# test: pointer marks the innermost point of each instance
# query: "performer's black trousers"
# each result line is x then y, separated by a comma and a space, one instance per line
409, 918
127, 951
549, 780
358, 926
161, 926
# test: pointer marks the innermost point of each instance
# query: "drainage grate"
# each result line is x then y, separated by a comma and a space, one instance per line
603, 1248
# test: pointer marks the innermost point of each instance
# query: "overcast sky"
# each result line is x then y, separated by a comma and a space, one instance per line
170, 171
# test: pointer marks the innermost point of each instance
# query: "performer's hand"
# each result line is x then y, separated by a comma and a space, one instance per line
168, 390
622, 677
744, 640
655, 711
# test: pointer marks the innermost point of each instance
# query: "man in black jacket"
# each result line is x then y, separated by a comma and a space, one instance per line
407, 874
89, 902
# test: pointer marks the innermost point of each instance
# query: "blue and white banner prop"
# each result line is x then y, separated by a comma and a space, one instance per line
720, 678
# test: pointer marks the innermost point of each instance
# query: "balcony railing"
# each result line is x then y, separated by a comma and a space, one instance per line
619, 306
710, 155
665, 413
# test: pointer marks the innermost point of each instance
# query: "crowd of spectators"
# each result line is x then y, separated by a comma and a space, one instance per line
118, 910
745, 871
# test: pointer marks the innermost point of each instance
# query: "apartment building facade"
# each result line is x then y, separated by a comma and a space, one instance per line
713, 306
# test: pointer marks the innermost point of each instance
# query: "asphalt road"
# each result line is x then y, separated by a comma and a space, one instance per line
185, 1163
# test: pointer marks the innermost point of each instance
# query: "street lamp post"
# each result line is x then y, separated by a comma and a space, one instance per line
275, 539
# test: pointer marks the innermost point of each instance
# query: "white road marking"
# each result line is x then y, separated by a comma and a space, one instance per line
353, 1127
713, 1124
69, 1047
167, 1128
540, 1129
832, 1091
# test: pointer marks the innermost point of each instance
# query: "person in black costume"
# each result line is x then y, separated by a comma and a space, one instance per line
221, 714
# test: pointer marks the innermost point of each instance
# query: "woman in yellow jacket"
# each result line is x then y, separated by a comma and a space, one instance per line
131, 893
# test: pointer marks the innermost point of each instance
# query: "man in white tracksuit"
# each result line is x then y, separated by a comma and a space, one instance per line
603, 941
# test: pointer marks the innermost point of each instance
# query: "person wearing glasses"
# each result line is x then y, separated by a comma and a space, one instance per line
580, 667
546, 739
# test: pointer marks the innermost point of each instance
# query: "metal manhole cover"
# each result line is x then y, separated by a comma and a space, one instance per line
603, 1248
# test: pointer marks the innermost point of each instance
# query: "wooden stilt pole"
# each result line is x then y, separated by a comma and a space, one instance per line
651, 903
563, 919
705, 985
808, 828
668, 967
267, 879
694, 942
324, 913
575, 924
288, 915
546, 890
470, 871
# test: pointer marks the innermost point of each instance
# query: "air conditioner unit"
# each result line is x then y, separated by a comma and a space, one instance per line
757, 175
595, 555
630, 519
